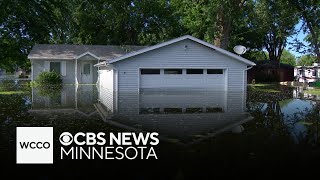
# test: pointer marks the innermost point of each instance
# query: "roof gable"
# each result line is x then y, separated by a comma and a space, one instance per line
147, 49
88, 54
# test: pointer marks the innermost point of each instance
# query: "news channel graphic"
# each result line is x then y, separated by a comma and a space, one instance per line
35, 145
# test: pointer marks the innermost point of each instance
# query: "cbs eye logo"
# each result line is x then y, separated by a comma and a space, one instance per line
66, 138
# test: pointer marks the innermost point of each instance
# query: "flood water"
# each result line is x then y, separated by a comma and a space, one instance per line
203, 133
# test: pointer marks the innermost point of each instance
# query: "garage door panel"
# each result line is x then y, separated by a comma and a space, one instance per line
210, 81
150, 81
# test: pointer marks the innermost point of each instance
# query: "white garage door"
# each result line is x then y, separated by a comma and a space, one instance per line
214, 79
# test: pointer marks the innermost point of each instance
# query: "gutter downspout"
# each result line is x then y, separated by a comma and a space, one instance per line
98, 72
244, 71
76, 71
245, 86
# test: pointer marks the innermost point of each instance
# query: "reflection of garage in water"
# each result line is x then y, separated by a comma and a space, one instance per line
175, 114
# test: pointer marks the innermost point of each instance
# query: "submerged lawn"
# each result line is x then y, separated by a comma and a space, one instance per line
11, 92
9, 87
313, 91
264, 87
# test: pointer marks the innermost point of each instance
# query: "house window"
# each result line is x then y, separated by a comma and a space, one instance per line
194, 110
214, 109
55, 66
86, 69
194, 71
173, 71
150, 71
214, 71
149, 110
172, 110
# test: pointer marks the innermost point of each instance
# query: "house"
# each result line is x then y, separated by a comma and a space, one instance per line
184, 62
307, 73
73, 62
271, 71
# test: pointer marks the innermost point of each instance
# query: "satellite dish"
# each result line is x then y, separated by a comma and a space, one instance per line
239, 49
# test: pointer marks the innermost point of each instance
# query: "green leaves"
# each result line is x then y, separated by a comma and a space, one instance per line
49, 79
288, 58
306, 60
259, 25
275, 22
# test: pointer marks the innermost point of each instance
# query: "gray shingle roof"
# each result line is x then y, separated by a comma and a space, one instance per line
64, 51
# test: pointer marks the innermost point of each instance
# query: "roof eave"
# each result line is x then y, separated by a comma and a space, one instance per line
49, 58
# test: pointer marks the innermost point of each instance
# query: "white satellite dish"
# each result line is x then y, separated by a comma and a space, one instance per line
239, 49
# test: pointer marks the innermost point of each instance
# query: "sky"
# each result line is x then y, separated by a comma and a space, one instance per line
300, 36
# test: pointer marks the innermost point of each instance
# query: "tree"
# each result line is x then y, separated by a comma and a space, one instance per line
256, 55
274, 22
309, 11
212, 21
288, 58
125, 22
306, 60
22, 24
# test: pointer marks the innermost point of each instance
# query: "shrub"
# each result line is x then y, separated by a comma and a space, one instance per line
49, 79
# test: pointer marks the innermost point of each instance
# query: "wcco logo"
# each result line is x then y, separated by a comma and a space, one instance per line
34, 145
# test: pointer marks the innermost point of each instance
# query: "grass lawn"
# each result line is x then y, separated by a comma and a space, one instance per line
11, 92
264, 87
261, 85
313, 91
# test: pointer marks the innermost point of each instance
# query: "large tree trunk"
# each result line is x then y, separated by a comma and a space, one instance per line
224, 23
222, 38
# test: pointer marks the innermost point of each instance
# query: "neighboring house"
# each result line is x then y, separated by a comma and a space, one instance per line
184, 62
307, 73
271, 71
74, 62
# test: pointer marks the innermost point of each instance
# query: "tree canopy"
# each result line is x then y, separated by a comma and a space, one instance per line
288, 58
306, 60
260, 25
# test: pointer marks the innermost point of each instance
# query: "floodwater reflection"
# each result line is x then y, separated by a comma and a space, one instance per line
176, 115
184, 116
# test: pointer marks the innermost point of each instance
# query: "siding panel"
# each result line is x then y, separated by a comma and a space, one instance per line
184, 54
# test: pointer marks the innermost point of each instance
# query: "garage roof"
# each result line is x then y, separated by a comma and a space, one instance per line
150, 48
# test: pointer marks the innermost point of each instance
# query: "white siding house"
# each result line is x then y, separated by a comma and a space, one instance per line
74, 62
181, 63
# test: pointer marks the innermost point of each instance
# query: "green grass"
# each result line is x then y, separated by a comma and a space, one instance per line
261, 85
312, 91
266, 90
264, 87
11, 92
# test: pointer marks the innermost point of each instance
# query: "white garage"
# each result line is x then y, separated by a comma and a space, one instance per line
185, 62
169, 78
